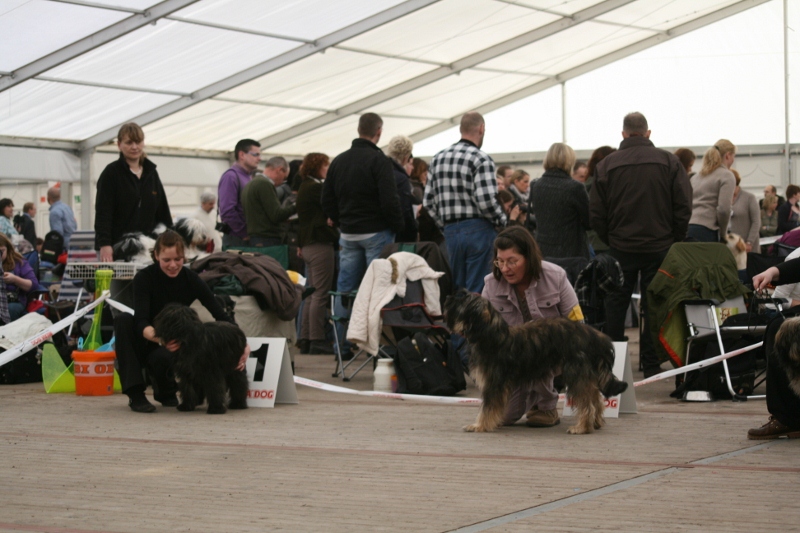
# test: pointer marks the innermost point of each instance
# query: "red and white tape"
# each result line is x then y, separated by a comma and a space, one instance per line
695, 366
413, 397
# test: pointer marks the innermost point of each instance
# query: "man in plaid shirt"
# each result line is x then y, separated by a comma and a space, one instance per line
460, 196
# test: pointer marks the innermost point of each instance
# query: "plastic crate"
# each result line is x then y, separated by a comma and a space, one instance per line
87, 270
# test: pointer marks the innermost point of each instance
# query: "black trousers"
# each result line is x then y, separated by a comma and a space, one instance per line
135, 354
618, 302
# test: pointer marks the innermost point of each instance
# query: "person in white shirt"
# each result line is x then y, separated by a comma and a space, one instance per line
208, 216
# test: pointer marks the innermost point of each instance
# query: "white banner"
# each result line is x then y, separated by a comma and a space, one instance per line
392, 395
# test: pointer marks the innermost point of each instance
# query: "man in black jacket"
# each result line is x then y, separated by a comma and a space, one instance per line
360, 196
640, 204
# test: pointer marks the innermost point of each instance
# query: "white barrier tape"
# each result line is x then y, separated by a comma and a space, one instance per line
392, 395
695, 366
28, 344
119, 307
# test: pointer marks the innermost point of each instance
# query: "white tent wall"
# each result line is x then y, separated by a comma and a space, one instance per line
27, 173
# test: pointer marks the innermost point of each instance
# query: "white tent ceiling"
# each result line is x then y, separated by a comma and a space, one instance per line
201, 74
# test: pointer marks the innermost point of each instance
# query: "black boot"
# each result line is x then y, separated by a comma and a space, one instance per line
138, 402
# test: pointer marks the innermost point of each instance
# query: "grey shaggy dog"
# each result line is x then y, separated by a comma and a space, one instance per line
206, 362
787, 351
503, 357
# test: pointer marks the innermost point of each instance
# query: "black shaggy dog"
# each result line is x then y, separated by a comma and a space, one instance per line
787, 351
207, 359
503, 357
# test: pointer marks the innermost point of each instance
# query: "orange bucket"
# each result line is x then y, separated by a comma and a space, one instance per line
94, 373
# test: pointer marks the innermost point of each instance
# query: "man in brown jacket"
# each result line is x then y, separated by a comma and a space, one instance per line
640, 204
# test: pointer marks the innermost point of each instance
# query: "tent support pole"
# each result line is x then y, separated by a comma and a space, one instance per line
564, 112
87, 201
787, 149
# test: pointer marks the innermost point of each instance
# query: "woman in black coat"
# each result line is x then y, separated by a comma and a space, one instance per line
402, 163
561, 206
317, 239
130, 196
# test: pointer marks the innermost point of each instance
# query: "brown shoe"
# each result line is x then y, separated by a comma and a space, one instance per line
542, 419
773, 430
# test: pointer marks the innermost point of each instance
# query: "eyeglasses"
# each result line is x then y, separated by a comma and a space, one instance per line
254, 154
511, 263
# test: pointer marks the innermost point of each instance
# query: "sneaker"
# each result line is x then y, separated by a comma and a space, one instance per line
542, 419
773, 429
168, 400
139, 404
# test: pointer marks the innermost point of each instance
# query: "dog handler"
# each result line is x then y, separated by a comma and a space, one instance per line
523, 288
162, 283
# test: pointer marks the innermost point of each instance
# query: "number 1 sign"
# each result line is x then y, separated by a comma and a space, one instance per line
269, 371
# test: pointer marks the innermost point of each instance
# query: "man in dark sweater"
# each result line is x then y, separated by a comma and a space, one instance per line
639, 205
262, 208
360, 196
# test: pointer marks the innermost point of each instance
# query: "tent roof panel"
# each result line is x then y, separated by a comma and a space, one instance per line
451, 29
327, 81
61, 111
453, 94
171, 56
662, 16
336, 137
139, 5
24, 23
216, 125
565, 7
305, 19
568, 48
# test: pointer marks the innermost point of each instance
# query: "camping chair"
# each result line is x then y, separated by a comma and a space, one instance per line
340, 323
690, 271
708, 322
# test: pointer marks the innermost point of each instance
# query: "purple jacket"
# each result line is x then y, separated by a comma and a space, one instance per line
23, 270
230, 204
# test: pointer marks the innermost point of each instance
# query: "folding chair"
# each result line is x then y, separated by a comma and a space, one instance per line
341, 322
705, 320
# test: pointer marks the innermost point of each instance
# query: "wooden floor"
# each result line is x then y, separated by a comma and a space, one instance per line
339, 462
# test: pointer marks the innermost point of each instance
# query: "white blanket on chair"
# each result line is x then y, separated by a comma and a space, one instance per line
385, 279
22, 329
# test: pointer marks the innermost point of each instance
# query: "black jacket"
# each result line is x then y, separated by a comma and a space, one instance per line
360, 193
313, 224
126, 204
407, 201
641, 201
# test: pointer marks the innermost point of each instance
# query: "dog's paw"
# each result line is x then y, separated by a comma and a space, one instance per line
475, 428
237, 405
216, 410
185, 407
577, 430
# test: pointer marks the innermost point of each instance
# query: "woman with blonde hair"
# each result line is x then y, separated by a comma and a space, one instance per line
712, 193
519, 186
399, 152
561, 206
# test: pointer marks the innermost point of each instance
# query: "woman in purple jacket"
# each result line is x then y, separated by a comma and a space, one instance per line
18, 278
523, 288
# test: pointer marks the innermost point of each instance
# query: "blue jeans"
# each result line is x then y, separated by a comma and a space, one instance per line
702, 233
354, 258
233, 241
470, 247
